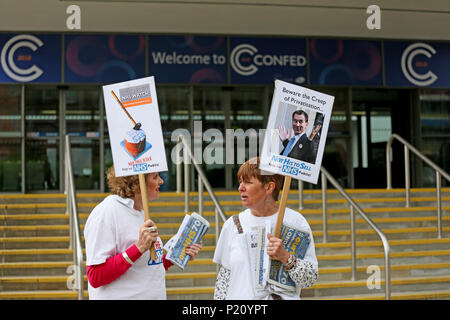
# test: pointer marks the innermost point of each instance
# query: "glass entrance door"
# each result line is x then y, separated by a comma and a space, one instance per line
42, 164
82, 115
209, 113
248, 116
372, 127
435, 133
42, 159
10, 138
86, 163
173, 102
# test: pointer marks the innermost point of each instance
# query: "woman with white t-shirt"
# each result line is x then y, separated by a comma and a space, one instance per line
259, 193
118, 240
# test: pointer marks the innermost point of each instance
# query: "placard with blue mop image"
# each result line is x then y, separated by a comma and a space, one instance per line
137, 147
134, 142
134, 127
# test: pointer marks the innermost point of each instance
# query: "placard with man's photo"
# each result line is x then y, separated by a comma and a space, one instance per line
296, 131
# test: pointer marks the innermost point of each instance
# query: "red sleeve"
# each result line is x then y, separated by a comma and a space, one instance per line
101, 274
167, 264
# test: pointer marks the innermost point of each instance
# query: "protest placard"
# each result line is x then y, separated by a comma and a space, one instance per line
295, 137
296, 132
135, 133
134, 127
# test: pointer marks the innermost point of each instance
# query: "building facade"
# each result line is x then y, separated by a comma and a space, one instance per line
214, 64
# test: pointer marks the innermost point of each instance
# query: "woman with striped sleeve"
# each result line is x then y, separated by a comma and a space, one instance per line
259, 193
118, 240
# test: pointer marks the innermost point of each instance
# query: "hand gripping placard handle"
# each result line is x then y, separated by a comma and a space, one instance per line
143, 187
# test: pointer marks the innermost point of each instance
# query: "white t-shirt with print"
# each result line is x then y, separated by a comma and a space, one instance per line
232, 253
112, 227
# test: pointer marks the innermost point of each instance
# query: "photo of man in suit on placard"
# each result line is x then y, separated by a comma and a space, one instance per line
300, 146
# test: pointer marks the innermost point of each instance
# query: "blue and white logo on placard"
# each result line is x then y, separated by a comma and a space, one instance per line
413, 50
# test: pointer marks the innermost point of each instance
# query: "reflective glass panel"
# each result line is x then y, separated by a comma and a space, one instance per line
10, 165
209, 117
41, 111
435, 129
86, 163
248, 123
10, 114
174, 113
42, 164
82, 111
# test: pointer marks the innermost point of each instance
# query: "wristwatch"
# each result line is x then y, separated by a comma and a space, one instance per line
291, 262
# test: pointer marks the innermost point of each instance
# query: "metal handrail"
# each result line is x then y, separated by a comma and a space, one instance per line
325, 175
439, 173
74, 224
202, 181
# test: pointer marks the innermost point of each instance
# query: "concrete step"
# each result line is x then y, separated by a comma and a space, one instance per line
29, 254
20, 255
426, 256
391, 233
226, 194
206, 264
34, 242
37, 268
377, 246
207, 292
190, 293
52, 229
63, 241
60, 282
199, 293
41, 295
173, 216
203, 283
162, 206
360, 287
56, 254
44, 268
399, 270
27, 283
190, 279
412, 295
86, 201
35, 254
50, 224
203, 286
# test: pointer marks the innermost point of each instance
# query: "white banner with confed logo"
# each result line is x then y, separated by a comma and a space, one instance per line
296, 132
134, 127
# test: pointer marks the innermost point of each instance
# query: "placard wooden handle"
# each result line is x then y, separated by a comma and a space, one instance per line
283, 202
143, 187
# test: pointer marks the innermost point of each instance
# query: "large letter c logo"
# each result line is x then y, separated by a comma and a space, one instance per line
407, 66
235, 59
7, 58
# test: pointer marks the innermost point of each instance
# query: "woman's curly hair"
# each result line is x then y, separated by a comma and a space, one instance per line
125, 187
